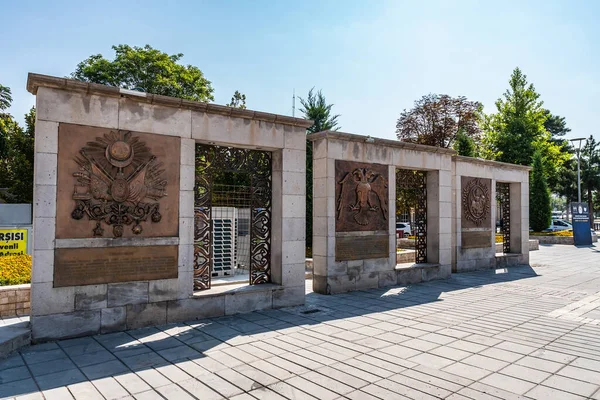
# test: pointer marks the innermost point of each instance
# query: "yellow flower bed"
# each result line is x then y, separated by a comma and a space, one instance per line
15, 270
558, 233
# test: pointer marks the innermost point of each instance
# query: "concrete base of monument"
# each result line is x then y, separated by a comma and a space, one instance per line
410, 273
402, 274
507, 260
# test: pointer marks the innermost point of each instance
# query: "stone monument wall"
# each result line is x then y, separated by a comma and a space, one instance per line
354, 212
475, 208
114, 208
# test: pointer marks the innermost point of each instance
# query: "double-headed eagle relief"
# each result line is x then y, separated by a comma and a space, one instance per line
118, 183
362, 196
476, 200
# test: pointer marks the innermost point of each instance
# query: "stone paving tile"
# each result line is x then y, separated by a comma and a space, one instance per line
85, 391
570, 385
105, 369
57, 379
540, 364
173, 391
544, 393
149, 395
132, 383
199, 390
479, 335
467, 371
60, 393
525, 373
488, 363
109, 388
431, 360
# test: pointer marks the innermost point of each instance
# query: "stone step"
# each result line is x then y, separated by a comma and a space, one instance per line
15, 333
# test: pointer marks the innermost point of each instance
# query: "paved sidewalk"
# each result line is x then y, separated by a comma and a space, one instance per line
522, 333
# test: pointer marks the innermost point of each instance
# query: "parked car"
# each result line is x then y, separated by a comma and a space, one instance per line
403, 227
559, 225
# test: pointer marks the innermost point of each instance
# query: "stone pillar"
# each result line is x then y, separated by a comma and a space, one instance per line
516, 244
185, 278
323, 215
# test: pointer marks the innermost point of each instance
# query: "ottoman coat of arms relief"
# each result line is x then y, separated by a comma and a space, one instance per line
119, 183
476, 201
362, 196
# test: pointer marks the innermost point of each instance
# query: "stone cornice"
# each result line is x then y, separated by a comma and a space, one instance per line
491, 163
411, 146
35, 81
378, 141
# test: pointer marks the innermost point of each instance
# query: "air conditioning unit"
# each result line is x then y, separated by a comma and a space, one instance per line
242, 240
224, 221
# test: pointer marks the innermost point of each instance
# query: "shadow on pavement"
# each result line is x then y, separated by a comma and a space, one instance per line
180, 352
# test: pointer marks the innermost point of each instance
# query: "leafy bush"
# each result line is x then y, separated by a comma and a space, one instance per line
15, 270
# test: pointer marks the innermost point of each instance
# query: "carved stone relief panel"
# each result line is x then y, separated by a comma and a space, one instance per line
361, 195
115, 183
476, 194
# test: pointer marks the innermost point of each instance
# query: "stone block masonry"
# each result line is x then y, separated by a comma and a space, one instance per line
354, 211
114, 213
15, 300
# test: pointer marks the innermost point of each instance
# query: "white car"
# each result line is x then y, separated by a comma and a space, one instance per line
559, 225
403, 227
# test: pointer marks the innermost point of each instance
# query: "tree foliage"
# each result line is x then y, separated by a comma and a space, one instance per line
16, 156
435, 120
556, 125
238, 100
146, 69
5, 97
590, 172
518, 129
465, 145
540, 212
315, 107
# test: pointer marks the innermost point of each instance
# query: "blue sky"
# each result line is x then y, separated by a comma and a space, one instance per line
372, 59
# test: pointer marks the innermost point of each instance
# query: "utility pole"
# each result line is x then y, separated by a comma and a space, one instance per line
294, 103
578, 167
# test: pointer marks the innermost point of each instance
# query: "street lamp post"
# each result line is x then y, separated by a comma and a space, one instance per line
578, 168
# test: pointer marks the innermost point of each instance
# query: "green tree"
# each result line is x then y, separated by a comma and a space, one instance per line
590, 172
464, 145
556, 126
238, 100
518, 129
315, 107
5, 98
540, 211
146, 69
16, 161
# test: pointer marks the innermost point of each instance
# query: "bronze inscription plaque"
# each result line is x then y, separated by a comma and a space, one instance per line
115, 183
362, 247
91, 266
476, 239
361, 194
476, 194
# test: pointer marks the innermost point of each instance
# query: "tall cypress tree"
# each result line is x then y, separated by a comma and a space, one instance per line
540, 211
315, 107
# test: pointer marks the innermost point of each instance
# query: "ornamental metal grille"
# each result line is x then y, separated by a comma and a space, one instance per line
503, 197
218, 167
411, 197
